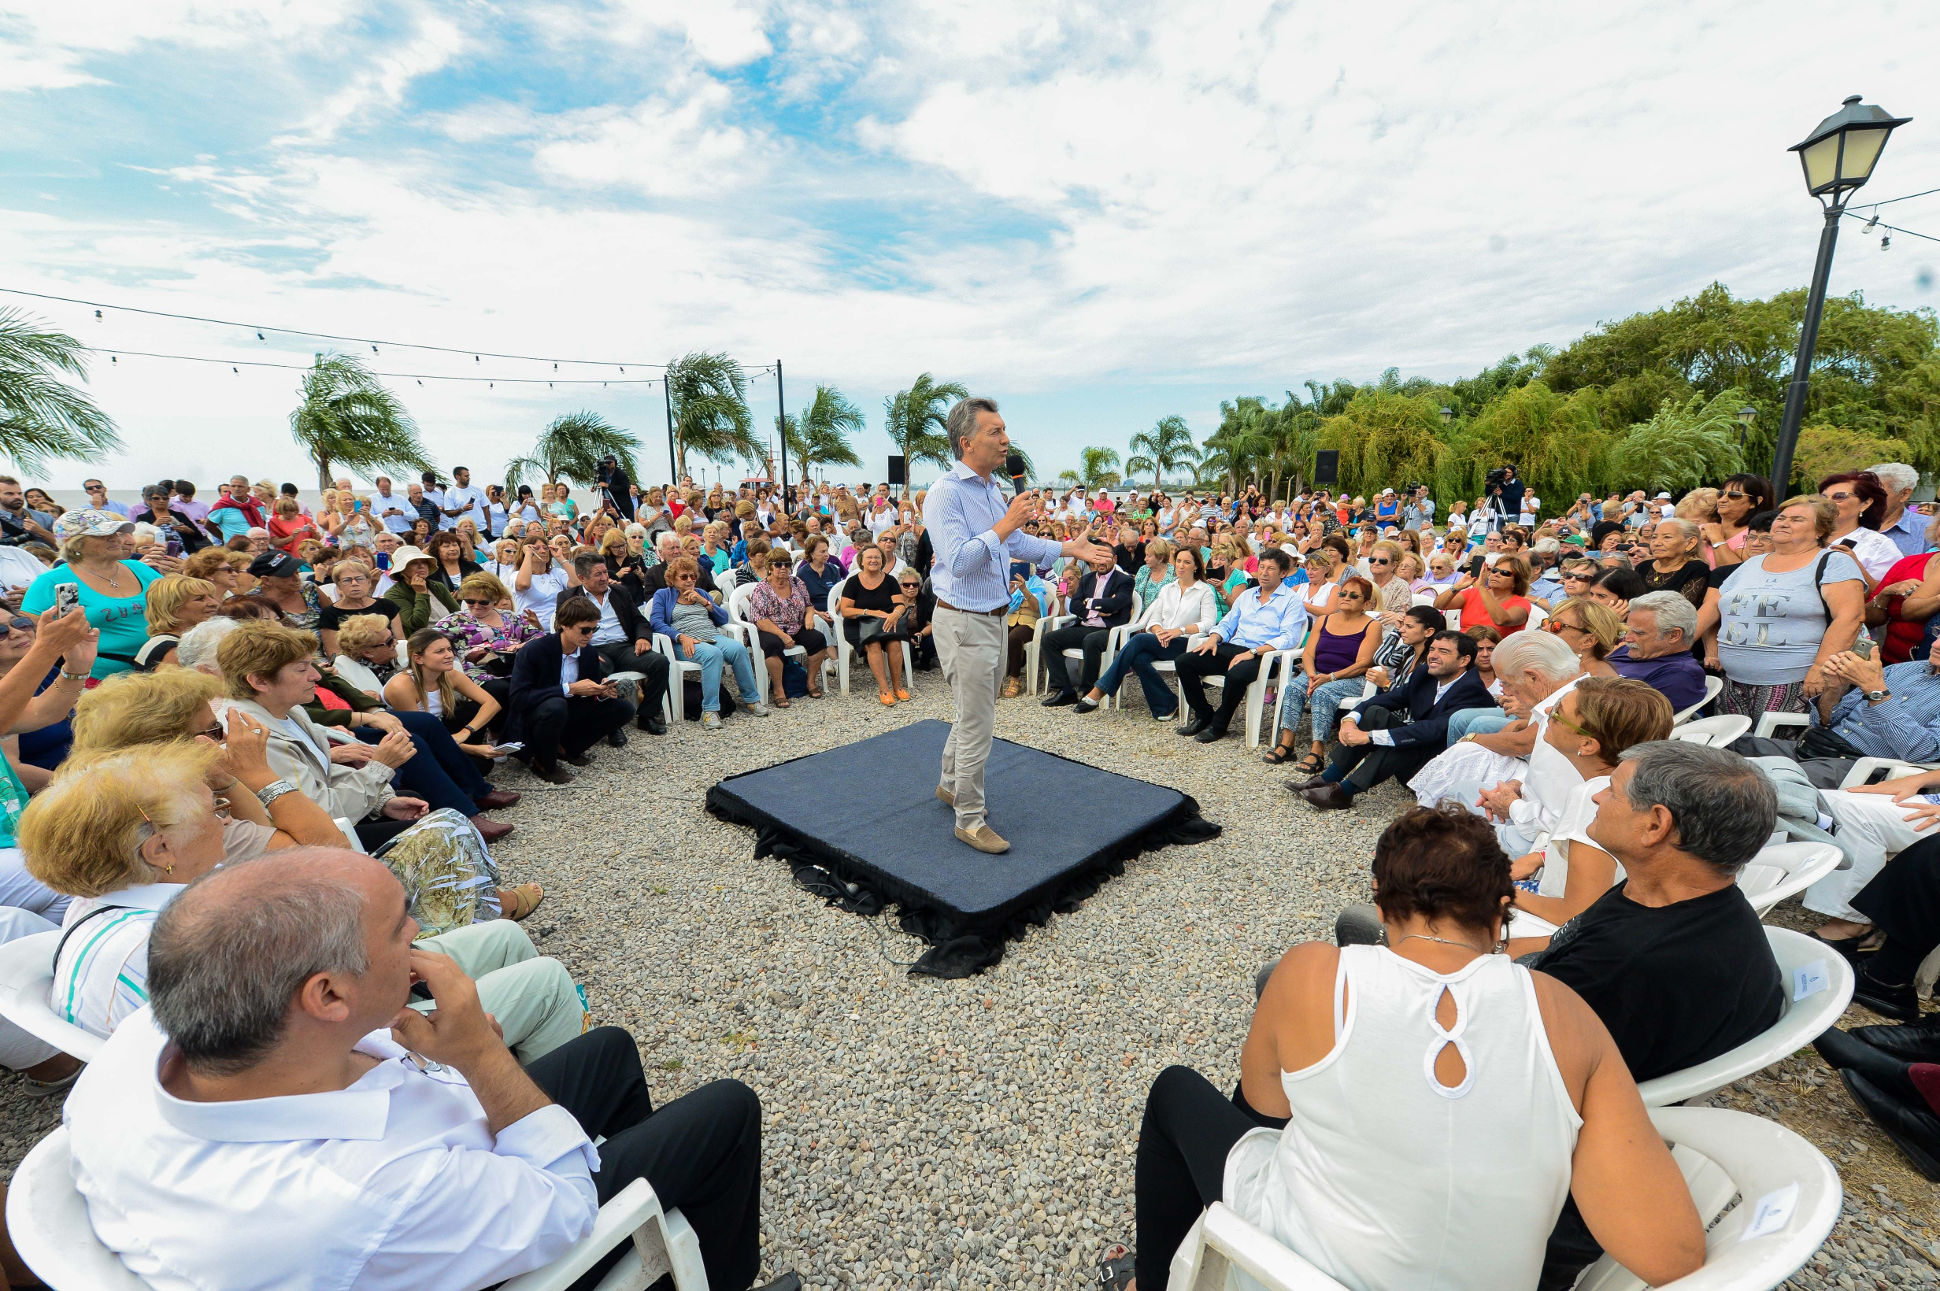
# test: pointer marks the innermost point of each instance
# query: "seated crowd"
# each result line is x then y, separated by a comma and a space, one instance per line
249, 779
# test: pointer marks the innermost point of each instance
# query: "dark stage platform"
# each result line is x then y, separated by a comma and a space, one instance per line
868, 813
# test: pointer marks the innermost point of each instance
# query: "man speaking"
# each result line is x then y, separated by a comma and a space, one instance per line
976, 536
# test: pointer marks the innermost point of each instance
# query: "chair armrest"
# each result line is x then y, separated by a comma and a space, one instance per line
1771, 722
633, 1208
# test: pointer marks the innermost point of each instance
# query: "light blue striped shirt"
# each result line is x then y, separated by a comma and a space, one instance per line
1278, 623
972, 567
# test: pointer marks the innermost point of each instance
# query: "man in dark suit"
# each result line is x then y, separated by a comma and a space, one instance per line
624, 640
561, 705
1104, 600
1396, 732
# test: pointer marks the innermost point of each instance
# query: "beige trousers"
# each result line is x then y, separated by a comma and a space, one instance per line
971, 649
532, 996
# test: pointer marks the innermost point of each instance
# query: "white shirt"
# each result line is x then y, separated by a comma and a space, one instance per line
101, 976
1875, 551
18, 569
568, 669
609, 629
1177, 608
396, 512
470, 501
393, 1184
542, 597
438, 499
1385, 737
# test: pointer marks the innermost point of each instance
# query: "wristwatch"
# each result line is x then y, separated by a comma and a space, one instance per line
1875, 696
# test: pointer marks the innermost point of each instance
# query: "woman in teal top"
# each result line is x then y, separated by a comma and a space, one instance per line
562, 504
112, 589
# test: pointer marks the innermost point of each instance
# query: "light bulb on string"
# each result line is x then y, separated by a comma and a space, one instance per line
1885, 240
97, 315
259, 336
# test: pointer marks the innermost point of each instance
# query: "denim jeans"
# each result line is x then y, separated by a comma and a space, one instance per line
1138, 656
1475, 721
1323, 705
710, 655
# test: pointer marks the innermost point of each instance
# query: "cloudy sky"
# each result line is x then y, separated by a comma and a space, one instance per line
1099, 213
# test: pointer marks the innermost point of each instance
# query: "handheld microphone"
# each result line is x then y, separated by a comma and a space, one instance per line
1014, 465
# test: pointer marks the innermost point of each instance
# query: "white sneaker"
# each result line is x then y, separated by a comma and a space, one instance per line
759, 709
710, 721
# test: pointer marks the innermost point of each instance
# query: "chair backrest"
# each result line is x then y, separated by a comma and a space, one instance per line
1781, 870
26, 975
1788, 1199
1536, 616
1817, 984
1864, 769
48, 1221
737, 604
1716, 732
1713, 687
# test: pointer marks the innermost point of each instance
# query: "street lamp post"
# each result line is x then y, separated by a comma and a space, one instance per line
1837, 157
1448, 414
1746, 415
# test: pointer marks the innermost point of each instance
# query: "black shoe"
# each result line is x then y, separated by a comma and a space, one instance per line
1848, 947
1899, 1002
1059, 698
1084, 706
1194, 727
651, 725
1329, 796
786, 1282
1914, 1129
1914, 1042
1843, 1053
617, 739
1211, 735
578, 759
553, 774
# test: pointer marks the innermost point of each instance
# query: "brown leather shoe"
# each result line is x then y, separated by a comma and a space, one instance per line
492, 830
1328, 797
984, 839
498, 800
945, 797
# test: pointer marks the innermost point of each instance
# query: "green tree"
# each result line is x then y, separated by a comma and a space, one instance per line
1168, 446
710, 405
1686, 444
42, 417
571, 448
820, 436
914, 421
1823, 451
1557, 443
1097, 469
348, 421
1385, 439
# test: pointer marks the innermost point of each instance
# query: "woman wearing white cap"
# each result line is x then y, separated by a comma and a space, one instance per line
416, 595
94, 547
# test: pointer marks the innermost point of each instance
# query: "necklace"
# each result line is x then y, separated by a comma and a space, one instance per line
1465, 945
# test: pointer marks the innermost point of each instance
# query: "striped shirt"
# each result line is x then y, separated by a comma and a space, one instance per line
972, 566
101, 975
1906, 727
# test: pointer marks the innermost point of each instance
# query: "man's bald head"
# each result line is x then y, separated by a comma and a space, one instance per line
230, 953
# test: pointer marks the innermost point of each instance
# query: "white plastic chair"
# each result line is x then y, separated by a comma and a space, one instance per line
1716, 732
844, 651
737, 608
1255, 693
1771, 723
1802, 962
1713, 687
677, 671
1780, 1182
26, 976
1782, 870
1862, 770
48, 1221
1535, 620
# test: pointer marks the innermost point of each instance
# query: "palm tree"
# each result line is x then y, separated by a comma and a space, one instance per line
41, 417
1095, 470
1166, 447
348, 421
913, 420
820, 436
571, 448
710, 402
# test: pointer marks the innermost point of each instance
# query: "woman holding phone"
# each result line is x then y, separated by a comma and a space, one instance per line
97, 575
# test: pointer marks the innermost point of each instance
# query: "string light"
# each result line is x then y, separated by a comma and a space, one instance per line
115, 357
1887, 237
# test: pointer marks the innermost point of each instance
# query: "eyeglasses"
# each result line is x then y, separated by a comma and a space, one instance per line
1577, 578
1379, 560
479, 600
1557, 625
1568, 725
1735, 493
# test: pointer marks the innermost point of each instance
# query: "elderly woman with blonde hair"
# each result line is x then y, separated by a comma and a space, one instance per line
124, 831
175, 604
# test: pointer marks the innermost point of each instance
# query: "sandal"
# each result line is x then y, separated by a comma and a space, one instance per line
888, 700
781, 701
526, 898
814, 692
1116, 1271
903, 696
1279, 753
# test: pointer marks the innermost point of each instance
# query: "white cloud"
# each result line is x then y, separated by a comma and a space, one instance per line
673, 145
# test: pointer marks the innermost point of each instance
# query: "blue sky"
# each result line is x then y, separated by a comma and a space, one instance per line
1100, 214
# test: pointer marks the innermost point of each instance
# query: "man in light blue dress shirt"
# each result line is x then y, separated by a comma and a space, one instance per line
976, 535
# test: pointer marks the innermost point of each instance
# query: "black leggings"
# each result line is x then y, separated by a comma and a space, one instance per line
701, 1152
1189, 1128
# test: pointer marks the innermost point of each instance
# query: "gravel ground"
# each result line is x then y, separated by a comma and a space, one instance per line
979, 1133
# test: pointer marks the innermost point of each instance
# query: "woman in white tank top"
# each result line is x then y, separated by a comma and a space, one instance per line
1439, 1103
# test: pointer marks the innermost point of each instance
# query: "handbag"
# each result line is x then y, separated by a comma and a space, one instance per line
1824, 742
868, 630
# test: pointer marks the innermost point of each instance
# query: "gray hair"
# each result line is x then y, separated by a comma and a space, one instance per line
962, 421
668, 540
1896, 475
1543, 653
198, 645
1673, 612
1546, 547
229, 954
1722, 806
1683, 526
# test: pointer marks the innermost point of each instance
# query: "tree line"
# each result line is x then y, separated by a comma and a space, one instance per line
1666, 399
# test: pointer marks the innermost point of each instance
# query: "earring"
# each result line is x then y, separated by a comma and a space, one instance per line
169, 869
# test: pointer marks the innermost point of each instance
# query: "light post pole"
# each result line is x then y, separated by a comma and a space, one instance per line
1837, 157
1746, 415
